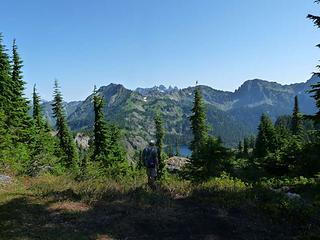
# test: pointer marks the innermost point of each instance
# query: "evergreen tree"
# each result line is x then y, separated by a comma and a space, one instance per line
101, 141
19, 118
213, 159
316, 95
266, 141
66, 142
36, 113
198, 124
158, 121
44, 144
209, 156
116, 153
296, 126
6, 85
107, 146
316, 87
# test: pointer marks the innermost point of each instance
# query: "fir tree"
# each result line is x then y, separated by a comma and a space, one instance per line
6, 85
296, 126
198, 124
266, 141
101, 140
66, 142
316, 95
19, 112
213, 159
44, 144
107, 146
158, 121
316, 87
202, 161
116, 153
36, 113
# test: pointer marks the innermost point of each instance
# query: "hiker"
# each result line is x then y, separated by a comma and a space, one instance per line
150, 158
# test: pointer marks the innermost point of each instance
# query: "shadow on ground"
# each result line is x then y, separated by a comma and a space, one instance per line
139, 214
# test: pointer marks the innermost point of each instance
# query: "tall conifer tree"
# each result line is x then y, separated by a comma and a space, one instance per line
66, 142
101, 139
201, 145
5, 79
19, 118
198, 123
296, 126
36, 113
266, 141
316, 87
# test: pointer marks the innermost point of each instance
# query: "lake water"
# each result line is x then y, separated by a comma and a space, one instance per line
185, 151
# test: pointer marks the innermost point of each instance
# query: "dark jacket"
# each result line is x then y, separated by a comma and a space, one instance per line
150, 156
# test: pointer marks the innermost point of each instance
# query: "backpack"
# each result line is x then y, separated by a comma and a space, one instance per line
150, 157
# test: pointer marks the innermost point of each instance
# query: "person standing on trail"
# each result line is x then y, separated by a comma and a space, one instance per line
150, 158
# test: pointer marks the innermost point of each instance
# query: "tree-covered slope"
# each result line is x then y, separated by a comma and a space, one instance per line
232, 115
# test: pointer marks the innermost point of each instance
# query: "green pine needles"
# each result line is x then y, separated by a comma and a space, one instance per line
107, 146
68, 150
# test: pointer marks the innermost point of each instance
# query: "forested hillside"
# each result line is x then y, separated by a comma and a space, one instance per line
232, 115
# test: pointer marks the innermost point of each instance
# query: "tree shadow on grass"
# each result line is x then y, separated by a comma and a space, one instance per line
137, 214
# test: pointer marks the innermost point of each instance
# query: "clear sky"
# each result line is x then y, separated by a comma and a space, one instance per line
142, 43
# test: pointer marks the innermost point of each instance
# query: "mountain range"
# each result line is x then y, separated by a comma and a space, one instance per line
231, 115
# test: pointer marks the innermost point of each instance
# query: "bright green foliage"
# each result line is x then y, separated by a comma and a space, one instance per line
158, 121
198, 124
16, 124
44, 144
116, 152
6, 145
19, 119
266, 141
68, 150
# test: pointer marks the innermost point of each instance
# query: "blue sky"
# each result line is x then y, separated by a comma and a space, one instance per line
138, 43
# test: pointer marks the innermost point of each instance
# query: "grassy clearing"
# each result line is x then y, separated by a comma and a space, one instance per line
59, 207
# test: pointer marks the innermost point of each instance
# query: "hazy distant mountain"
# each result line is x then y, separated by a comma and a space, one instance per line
232, 115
